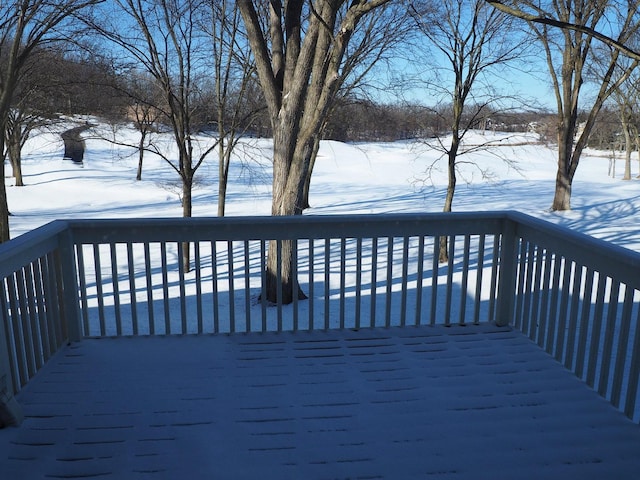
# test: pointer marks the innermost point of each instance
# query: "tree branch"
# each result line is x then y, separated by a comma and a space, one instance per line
567, 26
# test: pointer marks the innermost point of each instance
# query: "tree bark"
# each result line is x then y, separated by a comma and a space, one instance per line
223, 176
307, 183
443, 255
14, 150
143, 135
298, 61
564, 179
187, 210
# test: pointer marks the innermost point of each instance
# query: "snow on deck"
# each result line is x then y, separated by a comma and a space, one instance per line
468, 402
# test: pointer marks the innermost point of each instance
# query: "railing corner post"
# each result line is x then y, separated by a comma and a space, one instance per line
505, 300
70, 295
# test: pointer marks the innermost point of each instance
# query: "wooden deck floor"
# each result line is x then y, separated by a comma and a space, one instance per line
427, 402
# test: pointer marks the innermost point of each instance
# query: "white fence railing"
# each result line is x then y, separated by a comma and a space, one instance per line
575, 296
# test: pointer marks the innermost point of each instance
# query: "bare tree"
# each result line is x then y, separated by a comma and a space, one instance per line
474, 38
627, 100
567, 31
626, 106
299, 56
143, 113
233, 78
164, 38
24, 26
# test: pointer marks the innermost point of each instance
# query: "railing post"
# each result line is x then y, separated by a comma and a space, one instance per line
505, 300
10, 410
71, 299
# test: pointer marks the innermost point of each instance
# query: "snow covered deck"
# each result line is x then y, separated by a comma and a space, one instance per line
458, 402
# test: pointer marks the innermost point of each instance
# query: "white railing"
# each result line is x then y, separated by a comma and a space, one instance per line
575, 296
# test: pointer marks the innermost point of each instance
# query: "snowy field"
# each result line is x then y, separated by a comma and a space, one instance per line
349, 178
363, 178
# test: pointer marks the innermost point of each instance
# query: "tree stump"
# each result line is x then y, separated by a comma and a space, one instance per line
74, 144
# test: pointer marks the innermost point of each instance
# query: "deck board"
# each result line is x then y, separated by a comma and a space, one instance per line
468, 402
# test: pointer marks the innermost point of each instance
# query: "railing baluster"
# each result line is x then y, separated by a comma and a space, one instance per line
358, 273
180, 247
552, 319
493, 289
477, 299
327, 282
596, 332
294, 284
165, 287
197, 261
374, 280
82, 277
231, 280
544, 300
449, 294
419, 279
279, 284
622, 350
53, 296
43, 315
609, 333
215, 287
535, 326
465, 280
149, 288
25, 324
584, 323
115, 288
435, 266
389, 281
30, 301
247, 288
527, 289
404, 281
263, 274
564, 307
312, 303
572, 331
97, 265
131, 269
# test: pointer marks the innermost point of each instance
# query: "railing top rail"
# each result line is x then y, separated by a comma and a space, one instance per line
600, 255
30, 246
286, 227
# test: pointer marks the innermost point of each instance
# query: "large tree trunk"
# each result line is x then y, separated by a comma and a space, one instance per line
564, 179
307, 184
562, 196
15, 157
299, 57
187, 209
289, 176
452, 154
564, 174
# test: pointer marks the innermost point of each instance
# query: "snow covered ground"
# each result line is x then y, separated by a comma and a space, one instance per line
348, 178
